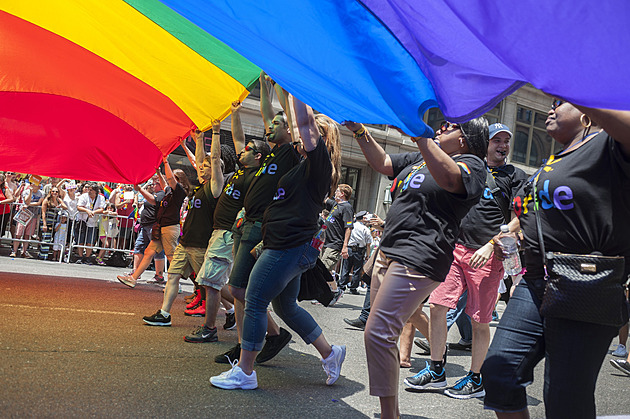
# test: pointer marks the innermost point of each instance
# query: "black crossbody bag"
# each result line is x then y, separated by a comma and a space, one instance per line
587, 288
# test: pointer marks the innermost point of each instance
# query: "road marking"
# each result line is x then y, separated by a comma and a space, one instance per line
80, 310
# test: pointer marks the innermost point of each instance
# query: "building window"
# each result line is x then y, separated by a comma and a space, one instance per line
532, 145
350, 176
494, 115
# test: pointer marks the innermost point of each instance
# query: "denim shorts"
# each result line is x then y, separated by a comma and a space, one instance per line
217, 262
573, 351
143, 241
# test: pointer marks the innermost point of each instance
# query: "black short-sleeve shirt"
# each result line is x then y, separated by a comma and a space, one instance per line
170, 205
148, 216
340, 218
484, 219
291, 220
584, 203
423, 220
198, 225
232, 198
262, 189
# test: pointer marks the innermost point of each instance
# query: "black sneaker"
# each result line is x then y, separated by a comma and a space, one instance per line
273, 345
422, 344
358, 323
354, 291
461, 346
202, 334
427, 378
157, 319
622, 365
229, 357
230, 321
466, 388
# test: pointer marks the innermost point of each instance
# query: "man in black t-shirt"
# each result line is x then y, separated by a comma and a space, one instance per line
474, 268
218, 259
148, 218
248, 231
339, 224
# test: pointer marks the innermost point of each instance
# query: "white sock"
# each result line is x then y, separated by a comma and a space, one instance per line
230, 310
165, 313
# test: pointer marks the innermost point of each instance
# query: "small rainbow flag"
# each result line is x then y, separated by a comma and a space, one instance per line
134, 214
107, 191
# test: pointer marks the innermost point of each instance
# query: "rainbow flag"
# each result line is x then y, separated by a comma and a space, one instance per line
134, 74
107, 191
134, 213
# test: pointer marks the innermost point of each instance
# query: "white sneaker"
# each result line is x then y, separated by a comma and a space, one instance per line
621, 351
235, 379
332, 364
127, 279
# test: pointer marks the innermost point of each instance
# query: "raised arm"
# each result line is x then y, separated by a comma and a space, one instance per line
161, 178
266, 108
305, 123
149, 197
189, 154
376, 157
284, 98
615, 123
170, 177
443, 168
200, 152
216, 183
62, 191
238, 136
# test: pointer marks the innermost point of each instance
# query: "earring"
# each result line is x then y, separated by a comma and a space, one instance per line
461, 143
585, 124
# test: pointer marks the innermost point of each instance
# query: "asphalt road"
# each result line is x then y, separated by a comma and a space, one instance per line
73, 344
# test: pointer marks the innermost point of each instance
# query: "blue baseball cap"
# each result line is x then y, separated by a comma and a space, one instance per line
494, 129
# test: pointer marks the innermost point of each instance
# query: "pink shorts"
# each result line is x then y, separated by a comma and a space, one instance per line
482, 285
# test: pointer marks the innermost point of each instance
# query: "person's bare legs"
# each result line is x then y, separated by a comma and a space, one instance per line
406, 343
420, 320
144, 264
159, 267
226, 298
480, 344
213, 297
438, 331
623, 335
389, 407
170, 292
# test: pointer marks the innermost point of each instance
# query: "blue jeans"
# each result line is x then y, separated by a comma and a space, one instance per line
573, 353
457, 315
142, 242
275, 278
246, 237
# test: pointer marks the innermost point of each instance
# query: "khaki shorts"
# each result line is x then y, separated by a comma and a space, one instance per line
218, 260
168, 243
186, 260
330, 257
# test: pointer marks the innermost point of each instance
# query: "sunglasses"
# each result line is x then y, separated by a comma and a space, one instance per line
445, 125
248, 148
556, 103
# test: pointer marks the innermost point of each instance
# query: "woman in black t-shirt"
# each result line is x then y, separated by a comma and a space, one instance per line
583, 197
289, 225
432, 191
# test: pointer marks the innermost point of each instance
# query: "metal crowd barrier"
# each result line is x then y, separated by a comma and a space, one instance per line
40, 244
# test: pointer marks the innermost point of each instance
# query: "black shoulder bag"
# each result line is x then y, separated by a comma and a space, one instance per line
586, 288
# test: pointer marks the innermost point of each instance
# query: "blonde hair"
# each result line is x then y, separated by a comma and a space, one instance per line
329, 131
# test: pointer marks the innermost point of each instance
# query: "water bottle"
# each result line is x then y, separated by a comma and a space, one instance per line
509, 244
319, 239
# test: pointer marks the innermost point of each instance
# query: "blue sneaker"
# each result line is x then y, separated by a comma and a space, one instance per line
466, 388
495, 316
427, 378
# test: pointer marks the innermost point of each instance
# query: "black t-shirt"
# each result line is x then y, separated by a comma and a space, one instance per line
263, 187
340, 218
148, 216
484, 219
423, 221
170, 205
584, 203
198, 225
291, 220
231, 199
